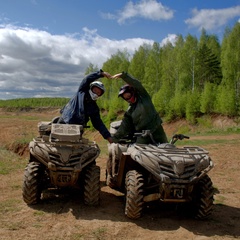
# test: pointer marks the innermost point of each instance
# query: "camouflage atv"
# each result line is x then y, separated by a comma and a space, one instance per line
61, 158
160, 172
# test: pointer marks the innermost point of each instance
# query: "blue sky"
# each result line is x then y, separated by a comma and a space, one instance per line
46, 45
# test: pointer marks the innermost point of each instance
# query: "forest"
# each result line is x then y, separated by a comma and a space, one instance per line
191, 78
187, 79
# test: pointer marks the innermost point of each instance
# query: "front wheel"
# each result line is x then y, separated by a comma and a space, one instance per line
134, 184
92, 185
32, 183
203, 198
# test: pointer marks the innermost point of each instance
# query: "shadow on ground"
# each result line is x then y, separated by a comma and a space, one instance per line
224, 221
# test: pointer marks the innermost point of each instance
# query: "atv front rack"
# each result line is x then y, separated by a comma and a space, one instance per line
167, 162
53, 132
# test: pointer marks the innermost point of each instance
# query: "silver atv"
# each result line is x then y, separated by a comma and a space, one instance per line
61, 158
160, 172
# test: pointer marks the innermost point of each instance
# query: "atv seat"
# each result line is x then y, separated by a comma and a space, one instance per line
114, 127
44, 128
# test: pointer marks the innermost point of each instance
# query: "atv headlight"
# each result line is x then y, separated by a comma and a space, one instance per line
203, 164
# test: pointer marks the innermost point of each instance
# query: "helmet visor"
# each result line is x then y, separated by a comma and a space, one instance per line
97, 90
127, 96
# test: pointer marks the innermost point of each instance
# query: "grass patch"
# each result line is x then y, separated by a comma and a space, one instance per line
37, 225
22, 117
220, 199
10, 162
103, 147
23, 140
226, 131
215, 131
39, 213
99, 233
15, 226
77, 236
16, 187
9, 205
202, 142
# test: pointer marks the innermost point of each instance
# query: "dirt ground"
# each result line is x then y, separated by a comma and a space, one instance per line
65, 217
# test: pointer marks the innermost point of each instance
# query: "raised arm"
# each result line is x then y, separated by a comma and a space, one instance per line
131, 81
84, 85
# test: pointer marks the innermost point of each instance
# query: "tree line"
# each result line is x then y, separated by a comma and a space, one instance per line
187, 79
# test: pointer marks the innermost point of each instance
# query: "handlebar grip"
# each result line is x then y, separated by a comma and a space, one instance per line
138, 134
180, 136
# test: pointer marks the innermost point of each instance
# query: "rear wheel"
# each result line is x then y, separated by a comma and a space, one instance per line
32, 183
203, 198
92, 185
134, 184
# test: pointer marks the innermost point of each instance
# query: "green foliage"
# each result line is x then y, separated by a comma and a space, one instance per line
117, 105
208, 67
185, 79
225, 101
230, 58
162, 98
192, 106
177, 107
119, 62
152, 77
91, 68
208, 98
205, 122
138, 62
33, 102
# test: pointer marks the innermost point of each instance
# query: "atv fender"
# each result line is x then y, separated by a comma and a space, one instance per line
126, 164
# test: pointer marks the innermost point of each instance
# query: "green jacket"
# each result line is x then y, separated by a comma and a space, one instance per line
140, 115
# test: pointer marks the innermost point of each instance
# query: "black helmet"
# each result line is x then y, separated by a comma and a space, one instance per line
124, 89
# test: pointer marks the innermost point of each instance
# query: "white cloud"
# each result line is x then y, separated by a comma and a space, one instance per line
171, 38
35, 63
212, 18
148, 9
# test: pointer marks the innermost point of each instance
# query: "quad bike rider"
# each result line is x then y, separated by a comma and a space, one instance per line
61, 158
160, 172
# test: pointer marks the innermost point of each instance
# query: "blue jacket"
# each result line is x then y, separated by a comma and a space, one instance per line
81, 107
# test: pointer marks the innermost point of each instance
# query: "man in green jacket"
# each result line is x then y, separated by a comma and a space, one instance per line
141, 114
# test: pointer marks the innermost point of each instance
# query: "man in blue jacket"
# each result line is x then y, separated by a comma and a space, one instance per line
82, 106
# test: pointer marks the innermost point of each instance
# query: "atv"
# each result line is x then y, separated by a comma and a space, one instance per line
60, 158
146, 173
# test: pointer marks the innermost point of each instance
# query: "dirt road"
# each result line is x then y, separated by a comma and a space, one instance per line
64, 216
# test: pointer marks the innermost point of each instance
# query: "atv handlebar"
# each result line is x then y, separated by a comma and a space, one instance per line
144, 133
176, 137
147, 133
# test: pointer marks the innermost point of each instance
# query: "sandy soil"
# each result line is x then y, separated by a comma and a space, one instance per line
66, 217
